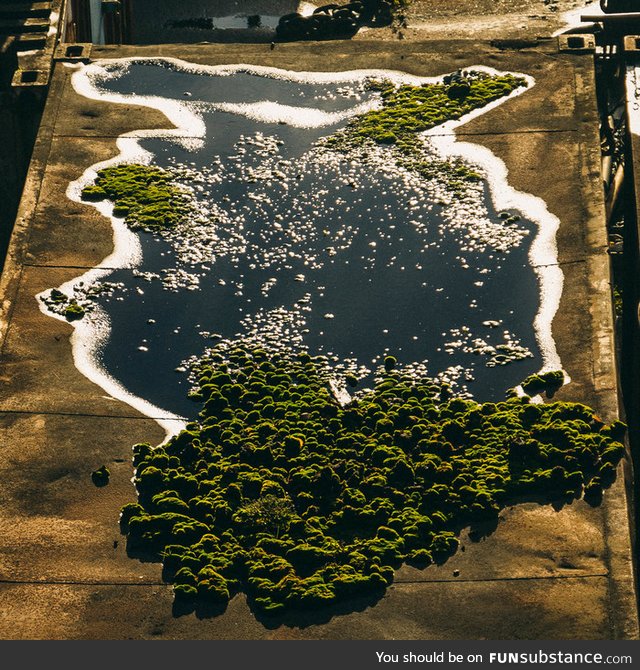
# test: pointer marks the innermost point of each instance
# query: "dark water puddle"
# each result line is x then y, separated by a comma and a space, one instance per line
350, 259
163, 79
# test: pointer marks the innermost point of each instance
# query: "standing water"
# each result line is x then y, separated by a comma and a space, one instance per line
294, 244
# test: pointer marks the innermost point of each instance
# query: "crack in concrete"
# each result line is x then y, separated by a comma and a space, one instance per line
526, 131
67, 267
65, 582
29, 412
560, 263
588, 575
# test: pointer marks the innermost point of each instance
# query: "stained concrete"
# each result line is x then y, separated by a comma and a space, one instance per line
529, 20
542, 573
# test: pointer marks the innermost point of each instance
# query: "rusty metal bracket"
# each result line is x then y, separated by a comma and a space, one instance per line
73, 51
577, 43
631, 43
30, 78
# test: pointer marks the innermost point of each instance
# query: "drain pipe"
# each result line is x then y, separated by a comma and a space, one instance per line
630, 337
615, 187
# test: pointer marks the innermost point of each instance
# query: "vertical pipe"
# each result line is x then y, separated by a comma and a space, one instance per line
630, 345
97, 25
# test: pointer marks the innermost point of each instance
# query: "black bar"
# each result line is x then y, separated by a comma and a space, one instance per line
330, 654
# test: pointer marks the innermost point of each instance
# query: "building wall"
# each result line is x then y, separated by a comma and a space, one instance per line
151, 19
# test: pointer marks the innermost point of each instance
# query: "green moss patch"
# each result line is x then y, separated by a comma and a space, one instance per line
64, 305
73, 311
407, 109
100, 477
147, 197
280, 492
547, 382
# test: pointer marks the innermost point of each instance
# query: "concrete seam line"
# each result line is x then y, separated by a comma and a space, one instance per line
80, 414
489, 580
507, 133
63, 582
106, 137
561, 263
46, 266
470, 133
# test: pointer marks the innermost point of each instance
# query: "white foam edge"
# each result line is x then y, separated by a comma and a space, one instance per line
90, 333
274, 112
306, 8
118, 65
543, 254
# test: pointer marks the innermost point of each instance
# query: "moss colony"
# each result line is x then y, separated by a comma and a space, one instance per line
280, 492
547, 382
147, 197
59, 302
407, 109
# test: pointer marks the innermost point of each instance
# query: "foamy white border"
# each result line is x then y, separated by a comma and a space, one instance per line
89, 335
306, 8
543, 254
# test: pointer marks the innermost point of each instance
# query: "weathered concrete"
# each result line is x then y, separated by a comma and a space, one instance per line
530, 20
542, 573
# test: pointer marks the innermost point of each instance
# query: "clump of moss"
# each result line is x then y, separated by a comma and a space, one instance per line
407, 110
57, 297
147, 197
100, 477
73, 311
547, 382
280, 492
64, 305
618, 301
352, 380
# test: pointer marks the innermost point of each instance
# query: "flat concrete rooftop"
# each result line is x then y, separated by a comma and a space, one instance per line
545, 573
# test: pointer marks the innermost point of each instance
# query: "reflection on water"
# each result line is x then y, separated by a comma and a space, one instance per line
168, 21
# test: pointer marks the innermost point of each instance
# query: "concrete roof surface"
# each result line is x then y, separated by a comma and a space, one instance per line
543, 573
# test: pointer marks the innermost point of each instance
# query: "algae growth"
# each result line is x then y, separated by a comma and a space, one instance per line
147, 197
280, 492
546, 382
408, 109
62, 304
